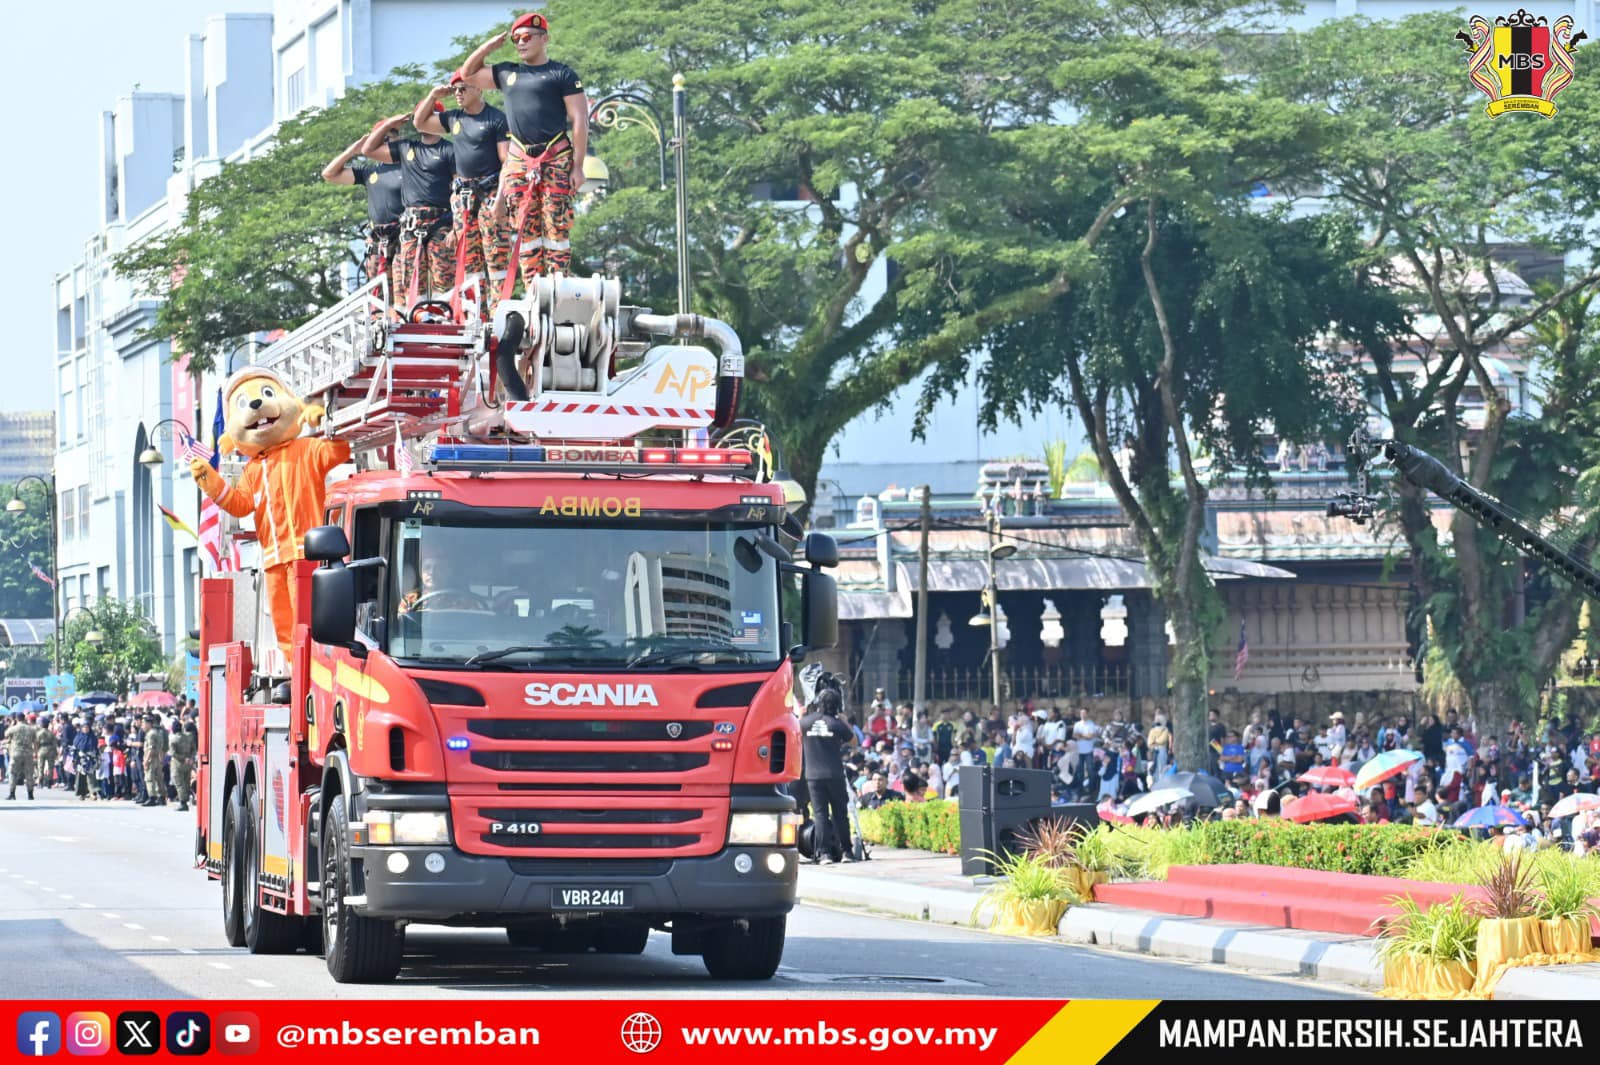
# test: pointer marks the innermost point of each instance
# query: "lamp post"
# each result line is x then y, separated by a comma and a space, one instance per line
620, 110
991, 616
17, 506
151, 456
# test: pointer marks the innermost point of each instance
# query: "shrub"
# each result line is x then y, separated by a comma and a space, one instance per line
1567, 884
1508, 890
1446, 931
930, 826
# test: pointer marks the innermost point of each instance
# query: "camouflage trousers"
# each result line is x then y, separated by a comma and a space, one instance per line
22, 773
383, 251
155, 782
482, 239
183, 779
47, 770
539, 194
427, 255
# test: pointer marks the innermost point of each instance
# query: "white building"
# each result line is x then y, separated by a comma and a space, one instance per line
241, 75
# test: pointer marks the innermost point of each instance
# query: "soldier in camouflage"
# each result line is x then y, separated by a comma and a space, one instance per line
22, 741
155, 751
185, 745
49, 751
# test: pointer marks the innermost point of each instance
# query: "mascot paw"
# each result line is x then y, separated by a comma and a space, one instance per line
312, 414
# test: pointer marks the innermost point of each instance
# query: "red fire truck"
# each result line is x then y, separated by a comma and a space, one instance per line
543, 677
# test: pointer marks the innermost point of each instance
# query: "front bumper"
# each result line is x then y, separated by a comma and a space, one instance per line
472, 887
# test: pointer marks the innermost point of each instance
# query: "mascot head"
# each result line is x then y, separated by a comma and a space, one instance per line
262, 412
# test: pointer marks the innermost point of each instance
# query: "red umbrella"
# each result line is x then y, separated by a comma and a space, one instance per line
153, 699
1327, 776
1109, 812
1317, 807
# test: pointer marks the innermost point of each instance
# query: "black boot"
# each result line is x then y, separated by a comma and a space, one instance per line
182, 806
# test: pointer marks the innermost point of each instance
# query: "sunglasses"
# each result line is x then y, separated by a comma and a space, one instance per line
527, 35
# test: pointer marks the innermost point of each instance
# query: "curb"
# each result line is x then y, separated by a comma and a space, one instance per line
920, 903
1570, 982
1308, 954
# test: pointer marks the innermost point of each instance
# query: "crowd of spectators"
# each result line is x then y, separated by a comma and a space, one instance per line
98, 753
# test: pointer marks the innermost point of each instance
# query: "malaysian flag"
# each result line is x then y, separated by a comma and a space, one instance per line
1243, 656
402, 457
41, 574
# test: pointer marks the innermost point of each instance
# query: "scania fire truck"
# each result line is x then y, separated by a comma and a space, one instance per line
543, 676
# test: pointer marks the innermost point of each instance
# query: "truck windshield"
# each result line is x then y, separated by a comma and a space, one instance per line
633, 596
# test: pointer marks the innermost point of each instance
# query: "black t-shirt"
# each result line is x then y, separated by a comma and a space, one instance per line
477, 140
536, 106
382, 183
824, 738
425, 172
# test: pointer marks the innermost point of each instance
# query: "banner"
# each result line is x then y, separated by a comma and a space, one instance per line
59, 686
23, 689
191, 677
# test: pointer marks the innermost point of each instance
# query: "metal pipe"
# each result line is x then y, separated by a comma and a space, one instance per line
696, 326
680, 124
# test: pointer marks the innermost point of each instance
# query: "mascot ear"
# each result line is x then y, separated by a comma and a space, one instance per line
224, 444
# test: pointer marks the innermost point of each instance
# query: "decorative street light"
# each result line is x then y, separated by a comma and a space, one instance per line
93, 636
619, 110
992, 615
17, 506
152, 455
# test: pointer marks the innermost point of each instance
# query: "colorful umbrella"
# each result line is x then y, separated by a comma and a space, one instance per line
1117, 815
1317, 807
1152, 801
1383, 766
1486, 816
1327, 776
1575, 803
153, 699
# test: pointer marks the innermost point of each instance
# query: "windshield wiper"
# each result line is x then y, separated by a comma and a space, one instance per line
668, 653
490, 656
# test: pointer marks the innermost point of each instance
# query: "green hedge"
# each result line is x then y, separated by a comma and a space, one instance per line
927, 826
1375, 850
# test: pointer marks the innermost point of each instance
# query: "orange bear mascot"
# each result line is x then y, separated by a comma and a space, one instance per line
284, 484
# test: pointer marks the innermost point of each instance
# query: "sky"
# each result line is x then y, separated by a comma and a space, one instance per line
52, 190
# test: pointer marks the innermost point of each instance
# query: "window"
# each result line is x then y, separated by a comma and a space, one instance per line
83, 511
189, 580
102, 582
294, 92
67, 509
83, 589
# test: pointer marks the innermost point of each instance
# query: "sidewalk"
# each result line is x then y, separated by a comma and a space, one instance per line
930, 887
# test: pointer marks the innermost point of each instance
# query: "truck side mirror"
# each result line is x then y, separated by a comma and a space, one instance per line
822, 550
333, 602
822, 611
326, 543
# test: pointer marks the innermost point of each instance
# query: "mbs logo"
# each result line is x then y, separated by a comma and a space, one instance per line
685, 385
1520, 62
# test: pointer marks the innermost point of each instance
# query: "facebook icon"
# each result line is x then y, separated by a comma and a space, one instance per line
38, 1034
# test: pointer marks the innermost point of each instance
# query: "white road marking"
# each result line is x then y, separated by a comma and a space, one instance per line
219, 965
113, 916
87, 905
161, 939
258, 983
187, 950
135, 927
67, 897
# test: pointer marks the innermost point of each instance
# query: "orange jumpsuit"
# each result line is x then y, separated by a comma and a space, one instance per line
284, 487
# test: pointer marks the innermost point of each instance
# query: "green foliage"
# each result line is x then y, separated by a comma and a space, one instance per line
24, 539
929, 826
1568, 886
1055, 460
1445, 931
128, 646
1508, 890
1085, 468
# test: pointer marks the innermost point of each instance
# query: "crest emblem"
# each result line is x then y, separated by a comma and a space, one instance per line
1520, 62
511, 79
457, 127
411, 155
674, 730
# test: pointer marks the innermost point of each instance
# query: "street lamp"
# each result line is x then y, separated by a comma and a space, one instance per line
17, 506
151, 456
93, 636
990, 616
620, 110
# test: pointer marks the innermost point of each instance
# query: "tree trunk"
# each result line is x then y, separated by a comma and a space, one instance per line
1189, 691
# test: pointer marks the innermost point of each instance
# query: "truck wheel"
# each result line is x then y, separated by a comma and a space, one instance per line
732, 953
232, 873
622, 938
265, 932
360, 950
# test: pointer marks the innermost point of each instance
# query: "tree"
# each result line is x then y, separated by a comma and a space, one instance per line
24, 543
128, 646
1199, 318
1445, 198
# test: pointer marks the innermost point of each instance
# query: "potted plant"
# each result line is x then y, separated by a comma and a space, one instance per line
1429, 953
1081, 854
1030, 899
1510, 927
1567, 885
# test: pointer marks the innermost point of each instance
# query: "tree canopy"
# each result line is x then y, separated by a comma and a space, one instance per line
25, 542
128, 646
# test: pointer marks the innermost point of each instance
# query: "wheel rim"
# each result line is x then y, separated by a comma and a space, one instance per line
331, 891
249, 889
228, 889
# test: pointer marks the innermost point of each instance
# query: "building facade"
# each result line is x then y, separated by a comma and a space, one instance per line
30, 445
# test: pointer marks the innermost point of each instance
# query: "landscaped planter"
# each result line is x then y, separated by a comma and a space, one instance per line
1083, 881
1419, 976
1568, 935
1502, 940
1028, 917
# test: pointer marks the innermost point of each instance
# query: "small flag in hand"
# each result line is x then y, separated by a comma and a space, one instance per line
402, 457
177, 523
193, 448
1243, 656
41, 574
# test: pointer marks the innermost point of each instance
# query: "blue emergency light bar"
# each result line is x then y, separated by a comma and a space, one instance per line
610, 458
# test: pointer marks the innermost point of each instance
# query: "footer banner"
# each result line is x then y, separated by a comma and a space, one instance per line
746, 1031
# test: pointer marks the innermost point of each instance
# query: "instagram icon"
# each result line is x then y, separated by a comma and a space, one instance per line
88, 1033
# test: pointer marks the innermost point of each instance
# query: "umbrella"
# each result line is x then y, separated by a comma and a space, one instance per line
152, 699
95, 698
1327, 776
1207, 790
26, 706
1117, 815
1572, 804
1316, 807
1485, 816
1383, 766
1152, 801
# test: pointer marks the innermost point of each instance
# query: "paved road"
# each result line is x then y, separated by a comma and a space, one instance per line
98, 900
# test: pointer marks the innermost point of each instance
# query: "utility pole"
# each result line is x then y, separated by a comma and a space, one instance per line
920, 682
994, 605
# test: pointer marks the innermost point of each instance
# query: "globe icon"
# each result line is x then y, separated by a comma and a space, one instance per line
641, 1033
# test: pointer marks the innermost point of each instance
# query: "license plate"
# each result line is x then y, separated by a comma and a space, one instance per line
592, 898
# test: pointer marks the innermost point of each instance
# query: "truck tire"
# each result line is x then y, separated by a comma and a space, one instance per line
265, 932
733, 953
232, 872
359, 950
622, 938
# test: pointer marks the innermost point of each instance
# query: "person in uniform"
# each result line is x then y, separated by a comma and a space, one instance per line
155, 753
548, 115
482, 141
22, 743
427, 167
85, 760
381, 182
185, 745
824, 738
49, 751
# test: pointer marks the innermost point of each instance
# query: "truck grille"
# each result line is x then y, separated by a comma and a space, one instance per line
590, 868
608, 827
591, 731
631, 840
594, 817
589, 761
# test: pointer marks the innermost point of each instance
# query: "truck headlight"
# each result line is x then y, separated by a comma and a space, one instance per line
424, 828
758, 830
